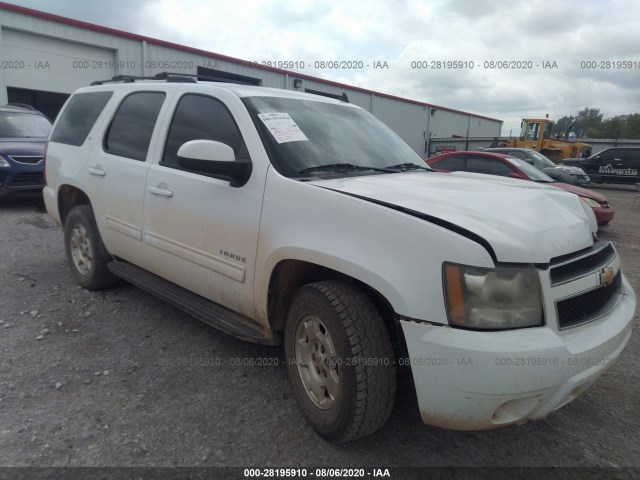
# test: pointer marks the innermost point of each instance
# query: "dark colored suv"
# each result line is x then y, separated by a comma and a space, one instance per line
560, 173
611, 165
23, 135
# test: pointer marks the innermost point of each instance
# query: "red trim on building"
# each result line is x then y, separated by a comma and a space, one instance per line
133, 36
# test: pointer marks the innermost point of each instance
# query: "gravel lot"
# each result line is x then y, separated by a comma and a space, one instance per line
119, 378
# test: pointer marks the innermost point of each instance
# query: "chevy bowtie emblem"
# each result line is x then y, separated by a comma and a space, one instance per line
606, 276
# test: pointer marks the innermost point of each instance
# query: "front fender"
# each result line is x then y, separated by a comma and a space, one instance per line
395, 253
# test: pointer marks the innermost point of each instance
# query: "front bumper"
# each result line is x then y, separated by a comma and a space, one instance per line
604, 215
468, 380
21, 178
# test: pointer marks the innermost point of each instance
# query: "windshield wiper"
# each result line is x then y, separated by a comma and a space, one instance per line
403, 167
344, 166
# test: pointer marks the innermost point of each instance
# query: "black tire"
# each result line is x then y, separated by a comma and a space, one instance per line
362, 360
87, 258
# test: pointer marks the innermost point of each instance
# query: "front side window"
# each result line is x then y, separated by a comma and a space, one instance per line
548, 130
129, 134
489, 166
77, 119
533, 131
606, 155
632, 158
198, 117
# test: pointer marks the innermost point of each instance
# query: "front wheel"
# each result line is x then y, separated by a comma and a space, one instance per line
340, 360
86, 254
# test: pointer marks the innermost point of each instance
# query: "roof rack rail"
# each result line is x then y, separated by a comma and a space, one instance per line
167, 76
342, 98
195, 76
21, 105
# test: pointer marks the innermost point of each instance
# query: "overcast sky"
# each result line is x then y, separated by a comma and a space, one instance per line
534, 33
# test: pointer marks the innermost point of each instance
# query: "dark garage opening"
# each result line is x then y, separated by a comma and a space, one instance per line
48, 103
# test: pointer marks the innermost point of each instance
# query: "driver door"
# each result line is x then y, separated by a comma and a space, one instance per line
202, 234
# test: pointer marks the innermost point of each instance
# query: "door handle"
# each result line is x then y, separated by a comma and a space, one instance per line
97, 170
161, 190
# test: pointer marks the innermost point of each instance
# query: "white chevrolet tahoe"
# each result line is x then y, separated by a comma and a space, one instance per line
297, 220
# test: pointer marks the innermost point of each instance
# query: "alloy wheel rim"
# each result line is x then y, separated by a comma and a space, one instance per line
81, 249
317, 363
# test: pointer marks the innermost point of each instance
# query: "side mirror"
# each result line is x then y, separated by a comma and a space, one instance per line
214, 159
514, 175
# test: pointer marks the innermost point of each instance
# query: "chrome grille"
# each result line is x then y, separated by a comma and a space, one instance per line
588, 306
588, 262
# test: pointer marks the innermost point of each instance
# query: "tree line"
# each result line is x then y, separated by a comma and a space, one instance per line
589, 123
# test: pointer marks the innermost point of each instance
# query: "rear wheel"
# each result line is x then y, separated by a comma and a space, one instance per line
340, 360
86, 254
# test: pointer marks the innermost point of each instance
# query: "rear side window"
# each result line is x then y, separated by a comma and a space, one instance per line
452, 164
130, 131
202, 118
77, 119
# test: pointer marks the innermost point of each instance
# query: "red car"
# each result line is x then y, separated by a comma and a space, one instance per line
507, 166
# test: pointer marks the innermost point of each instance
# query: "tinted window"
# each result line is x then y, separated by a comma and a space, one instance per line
487, 165
632, 158
130, 132
201, 118
606, 155
451, 163
77, 119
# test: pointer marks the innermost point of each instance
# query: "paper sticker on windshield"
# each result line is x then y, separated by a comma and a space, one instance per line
282, 127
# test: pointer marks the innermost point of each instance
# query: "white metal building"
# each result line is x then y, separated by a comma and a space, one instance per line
45, 57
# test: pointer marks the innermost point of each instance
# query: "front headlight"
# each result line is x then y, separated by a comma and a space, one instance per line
492, 299
590, 202
4, 163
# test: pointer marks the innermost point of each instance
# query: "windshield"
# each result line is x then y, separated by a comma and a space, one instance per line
541, 160
302, 134
530, 171
23, 125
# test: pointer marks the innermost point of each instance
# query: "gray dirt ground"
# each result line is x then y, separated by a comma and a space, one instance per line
106, 385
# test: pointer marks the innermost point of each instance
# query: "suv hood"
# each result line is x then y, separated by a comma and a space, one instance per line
22, 146
524, 222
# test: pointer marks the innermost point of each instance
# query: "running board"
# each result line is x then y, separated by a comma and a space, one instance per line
222, 318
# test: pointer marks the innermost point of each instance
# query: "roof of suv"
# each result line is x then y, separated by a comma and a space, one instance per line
22, 108
620, 148
635, 149
238, 89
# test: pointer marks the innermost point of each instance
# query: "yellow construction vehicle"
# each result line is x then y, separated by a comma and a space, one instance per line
537, 134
